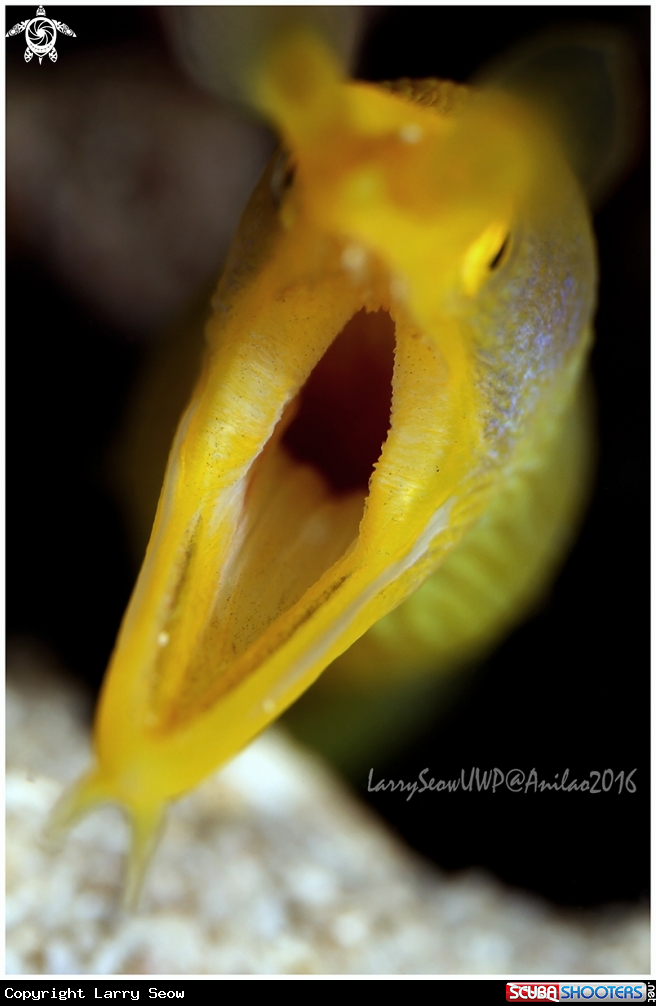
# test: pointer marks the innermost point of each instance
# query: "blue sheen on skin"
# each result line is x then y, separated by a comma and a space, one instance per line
536, 322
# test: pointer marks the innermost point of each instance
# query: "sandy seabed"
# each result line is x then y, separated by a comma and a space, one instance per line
271, 867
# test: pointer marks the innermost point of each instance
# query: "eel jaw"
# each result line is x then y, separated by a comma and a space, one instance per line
265, 563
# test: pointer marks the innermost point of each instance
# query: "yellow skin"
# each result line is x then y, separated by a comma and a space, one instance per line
454, 212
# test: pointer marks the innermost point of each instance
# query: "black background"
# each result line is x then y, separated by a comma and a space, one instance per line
568, 689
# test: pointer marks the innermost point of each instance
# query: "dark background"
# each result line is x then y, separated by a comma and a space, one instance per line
568, 689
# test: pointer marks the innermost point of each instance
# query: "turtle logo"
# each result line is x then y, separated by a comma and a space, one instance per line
40, 35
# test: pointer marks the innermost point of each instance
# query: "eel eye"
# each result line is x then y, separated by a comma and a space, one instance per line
501, 255
485, 255
282, 177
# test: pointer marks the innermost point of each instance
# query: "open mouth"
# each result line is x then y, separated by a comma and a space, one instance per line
302, 503
307, 485
343, 410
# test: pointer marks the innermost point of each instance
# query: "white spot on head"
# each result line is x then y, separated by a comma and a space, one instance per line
268, 705
162, 639
411, 132
354, 258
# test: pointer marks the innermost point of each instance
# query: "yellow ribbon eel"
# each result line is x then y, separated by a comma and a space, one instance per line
389, 399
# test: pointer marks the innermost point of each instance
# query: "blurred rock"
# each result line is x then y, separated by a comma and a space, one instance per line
270, 867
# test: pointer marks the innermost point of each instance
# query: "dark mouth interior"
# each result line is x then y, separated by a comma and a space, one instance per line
302, 507
344, 412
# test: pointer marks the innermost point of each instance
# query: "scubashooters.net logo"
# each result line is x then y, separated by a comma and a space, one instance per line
576, 992
40, 35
